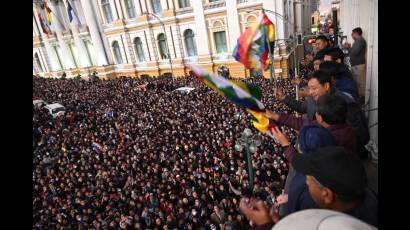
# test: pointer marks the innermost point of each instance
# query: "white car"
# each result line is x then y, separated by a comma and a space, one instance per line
185, 89
55, 109
39, 103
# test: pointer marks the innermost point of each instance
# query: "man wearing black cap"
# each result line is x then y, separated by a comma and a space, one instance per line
337, 181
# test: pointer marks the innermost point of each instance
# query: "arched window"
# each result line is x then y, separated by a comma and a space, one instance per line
250, 21
117, 52
183, 3
107, 10
220, 42
162, 46
38, 62
130, 8
156, 6
190, 43
139, 50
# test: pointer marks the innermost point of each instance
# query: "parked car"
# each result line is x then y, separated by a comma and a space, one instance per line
55, 109
39, 103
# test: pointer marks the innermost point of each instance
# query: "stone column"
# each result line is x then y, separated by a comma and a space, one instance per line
233, 23
79, 43
201, 34
94, 33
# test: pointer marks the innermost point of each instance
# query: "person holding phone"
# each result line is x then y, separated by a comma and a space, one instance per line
357, 53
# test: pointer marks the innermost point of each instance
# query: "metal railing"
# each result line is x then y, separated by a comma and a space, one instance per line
244, 1
185, 10
213, 5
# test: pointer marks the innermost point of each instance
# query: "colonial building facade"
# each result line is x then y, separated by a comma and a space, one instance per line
139, 37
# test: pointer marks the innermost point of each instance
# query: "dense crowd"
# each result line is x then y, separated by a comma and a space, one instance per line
134, 153
131, 157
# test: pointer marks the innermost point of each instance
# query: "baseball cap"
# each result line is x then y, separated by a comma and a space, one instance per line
334, 167
321, 219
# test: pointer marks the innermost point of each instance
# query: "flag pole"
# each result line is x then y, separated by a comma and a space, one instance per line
271, 68
296, 69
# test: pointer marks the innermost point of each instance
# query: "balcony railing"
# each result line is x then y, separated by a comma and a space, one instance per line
185, 10
213, 5
243, 1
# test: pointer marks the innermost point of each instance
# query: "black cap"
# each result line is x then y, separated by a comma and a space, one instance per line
336, 168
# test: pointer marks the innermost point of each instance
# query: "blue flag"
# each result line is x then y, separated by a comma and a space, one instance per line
70, 11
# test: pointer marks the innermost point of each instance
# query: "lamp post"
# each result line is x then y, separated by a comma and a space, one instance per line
250, 142
166, 41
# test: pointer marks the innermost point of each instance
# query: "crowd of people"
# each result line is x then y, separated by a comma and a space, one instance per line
130, 157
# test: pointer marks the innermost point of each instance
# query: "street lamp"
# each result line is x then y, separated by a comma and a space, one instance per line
250, 142
166, 40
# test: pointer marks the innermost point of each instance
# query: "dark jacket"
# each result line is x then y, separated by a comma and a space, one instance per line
357, 52
298, 197
347, 86
358, 121
345, 82
344, 136
321, 54
368, 210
